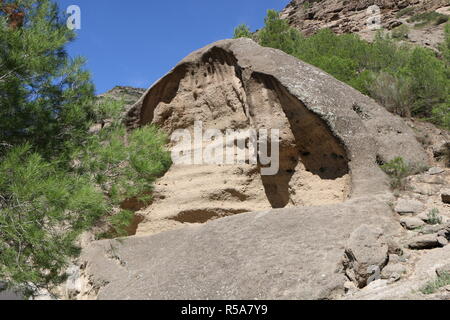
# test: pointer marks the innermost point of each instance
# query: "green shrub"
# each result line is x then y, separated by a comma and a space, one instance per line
42, 211
124, 165
405, 12
242, 31
423, 19
445, 46
433, 286
398, 170
434, 217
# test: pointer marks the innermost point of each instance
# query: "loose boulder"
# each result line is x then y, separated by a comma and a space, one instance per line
366, 254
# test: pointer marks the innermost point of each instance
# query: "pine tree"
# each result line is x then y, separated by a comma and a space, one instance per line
43, 93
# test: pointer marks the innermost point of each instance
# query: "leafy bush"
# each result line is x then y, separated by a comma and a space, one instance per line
405, 12
393, 93
434, 217
42, 210
433, 286
445, 46
398, 170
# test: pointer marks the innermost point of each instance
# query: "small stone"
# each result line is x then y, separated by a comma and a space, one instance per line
350, 287
445, 194
366, 248
411, 223
427, 241
430, 229
442, 241
435, 170
394, 278
424, 189
408, 206
443, 270
393, 270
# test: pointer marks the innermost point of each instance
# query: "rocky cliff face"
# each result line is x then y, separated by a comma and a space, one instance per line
343, 16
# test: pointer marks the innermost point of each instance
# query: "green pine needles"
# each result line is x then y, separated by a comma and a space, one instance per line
56, 178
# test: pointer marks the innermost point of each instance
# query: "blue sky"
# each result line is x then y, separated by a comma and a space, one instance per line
136, 42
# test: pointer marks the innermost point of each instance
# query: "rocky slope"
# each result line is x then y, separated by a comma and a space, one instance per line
338, 219
343, 16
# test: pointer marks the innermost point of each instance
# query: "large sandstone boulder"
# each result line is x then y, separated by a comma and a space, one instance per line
329, 184
331, 136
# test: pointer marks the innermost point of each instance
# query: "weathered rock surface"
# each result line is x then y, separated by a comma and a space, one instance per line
409, 288
405, 206
331, 139
293, 253
445, 195
427, 241
366, 252
331, 135
411, 223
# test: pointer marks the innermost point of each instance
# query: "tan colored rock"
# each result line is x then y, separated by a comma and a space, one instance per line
411, 223
408, 206
427, 241
441, 271
236, 84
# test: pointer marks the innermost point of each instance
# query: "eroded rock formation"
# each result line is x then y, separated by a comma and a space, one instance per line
329, 185
310, 16
327, 131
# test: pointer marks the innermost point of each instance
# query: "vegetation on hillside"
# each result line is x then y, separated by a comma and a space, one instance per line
56, 178
407, 80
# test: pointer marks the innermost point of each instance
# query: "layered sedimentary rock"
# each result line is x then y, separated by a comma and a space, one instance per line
331, 136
